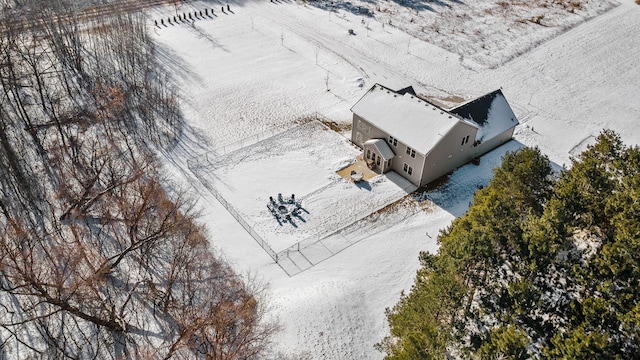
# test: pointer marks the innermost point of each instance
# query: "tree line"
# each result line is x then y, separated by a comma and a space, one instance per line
543, 265
97, 258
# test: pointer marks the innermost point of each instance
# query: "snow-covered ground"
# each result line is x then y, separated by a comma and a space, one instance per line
263, 66
301, 161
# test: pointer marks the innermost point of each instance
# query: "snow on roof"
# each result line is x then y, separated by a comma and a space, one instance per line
381, 146
490, 112
413, 121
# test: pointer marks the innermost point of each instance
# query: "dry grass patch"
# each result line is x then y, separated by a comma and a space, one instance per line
339, 128
305, 119
445, 102
406, 204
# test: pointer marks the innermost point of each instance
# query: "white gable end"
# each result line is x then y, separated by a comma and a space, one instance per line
382, 148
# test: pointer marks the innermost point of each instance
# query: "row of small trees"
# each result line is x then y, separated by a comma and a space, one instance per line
183, 17
97, 259
540, 266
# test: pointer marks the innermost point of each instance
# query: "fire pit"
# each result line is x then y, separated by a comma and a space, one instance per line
284, 209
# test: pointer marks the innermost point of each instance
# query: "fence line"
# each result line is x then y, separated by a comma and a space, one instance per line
236, 215
310, 240
209, 158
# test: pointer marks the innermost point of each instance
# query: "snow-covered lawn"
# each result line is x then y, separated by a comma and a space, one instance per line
267, 64
301, 161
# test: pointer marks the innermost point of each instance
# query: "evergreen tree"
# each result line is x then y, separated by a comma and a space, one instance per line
540, 267
477, 249
597, 200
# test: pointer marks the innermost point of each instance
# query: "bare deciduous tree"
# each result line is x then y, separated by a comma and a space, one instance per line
97, 259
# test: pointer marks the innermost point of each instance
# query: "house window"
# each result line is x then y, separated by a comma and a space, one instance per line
408, 169
378, 161
411, 152
362, 126
465, 140
462, 143
368, 154
393, 141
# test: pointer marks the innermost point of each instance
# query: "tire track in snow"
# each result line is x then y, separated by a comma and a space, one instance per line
574, 71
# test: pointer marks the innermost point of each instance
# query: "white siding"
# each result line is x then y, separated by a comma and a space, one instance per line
449, 153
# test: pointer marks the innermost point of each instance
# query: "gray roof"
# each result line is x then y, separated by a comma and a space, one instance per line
490, 112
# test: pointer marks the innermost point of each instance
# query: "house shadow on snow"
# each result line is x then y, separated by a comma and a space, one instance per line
454, 192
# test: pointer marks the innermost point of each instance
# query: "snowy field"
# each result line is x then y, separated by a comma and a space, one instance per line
261, 66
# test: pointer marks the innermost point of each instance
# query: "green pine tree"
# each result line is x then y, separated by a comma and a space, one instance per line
538, 267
